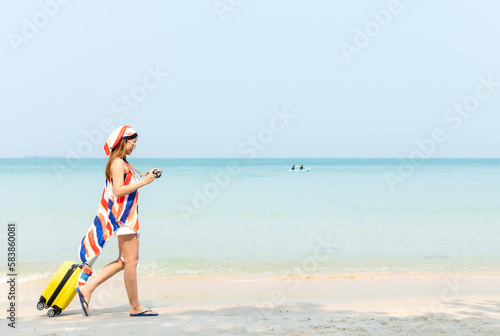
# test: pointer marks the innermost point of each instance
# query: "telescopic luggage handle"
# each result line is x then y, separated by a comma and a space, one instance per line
92, 261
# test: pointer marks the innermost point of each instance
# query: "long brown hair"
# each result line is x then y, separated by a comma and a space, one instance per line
118, 152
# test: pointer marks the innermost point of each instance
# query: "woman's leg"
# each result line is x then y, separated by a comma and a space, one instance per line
130, 246
107, 272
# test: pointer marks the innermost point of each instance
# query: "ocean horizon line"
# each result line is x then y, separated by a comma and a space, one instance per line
263, 158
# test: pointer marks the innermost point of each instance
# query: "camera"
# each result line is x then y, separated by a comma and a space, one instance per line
157, 173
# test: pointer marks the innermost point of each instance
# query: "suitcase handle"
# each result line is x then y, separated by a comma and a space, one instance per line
84, 276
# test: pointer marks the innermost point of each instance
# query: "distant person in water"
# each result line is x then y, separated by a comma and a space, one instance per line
302, 167
293, 168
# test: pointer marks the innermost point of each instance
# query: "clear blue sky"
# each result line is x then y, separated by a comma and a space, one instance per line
66, 68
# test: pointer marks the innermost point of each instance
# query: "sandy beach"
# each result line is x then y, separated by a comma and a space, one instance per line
218, 306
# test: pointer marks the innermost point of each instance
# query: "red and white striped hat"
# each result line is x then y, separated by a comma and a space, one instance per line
115, 137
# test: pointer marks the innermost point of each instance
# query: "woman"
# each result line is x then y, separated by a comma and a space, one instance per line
117, 216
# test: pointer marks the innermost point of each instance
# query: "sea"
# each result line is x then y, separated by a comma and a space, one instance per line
254, 218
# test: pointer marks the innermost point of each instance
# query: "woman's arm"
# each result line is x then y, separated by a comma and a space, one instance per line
118, 169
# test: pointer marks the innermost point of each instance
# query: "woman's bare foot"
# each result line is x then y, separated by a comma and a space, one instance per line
86, 296
142, 311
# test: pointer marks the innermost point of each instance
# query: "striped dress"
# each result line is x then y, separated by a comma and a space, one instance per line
113, 213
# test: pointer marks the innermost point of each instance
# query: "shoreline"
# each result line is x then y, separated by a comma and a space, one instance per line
270, 277
203, 306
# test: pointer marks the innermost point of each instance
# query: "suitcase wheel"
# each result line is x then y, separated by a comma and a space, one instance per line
40, 305
51, 313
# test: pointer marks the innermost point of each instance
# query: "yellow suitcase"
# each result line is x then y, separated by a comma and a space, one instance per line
61, 289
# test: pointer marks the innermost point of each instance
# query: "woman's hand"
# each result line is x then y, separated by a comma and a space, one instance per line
150, 177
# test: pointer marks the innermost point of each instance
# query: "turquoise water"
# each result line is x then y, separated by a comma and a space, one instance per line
244, 217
